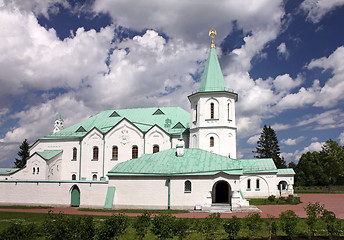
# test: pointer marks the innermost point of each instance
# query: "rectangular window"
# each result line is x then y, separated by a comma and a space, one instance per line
248, 185
257, 185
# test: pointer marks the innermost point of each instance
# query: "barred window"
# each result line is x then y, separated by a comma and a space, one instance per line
114, 152
95, 153
211, 141
135, 152
74, 153
211, 110
187, 186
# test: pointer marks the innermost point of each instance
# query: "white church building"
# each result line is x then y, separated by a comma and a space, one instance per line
151, 158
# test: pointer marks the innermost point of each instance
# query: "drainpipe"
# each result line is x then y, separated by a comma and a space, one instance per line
169, 193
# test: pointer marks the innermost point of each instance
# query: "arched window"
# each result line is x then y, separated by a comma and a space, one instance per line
196, 113
73, 177
211, 110
211, 141
115, 152
33, 170
187, 186
74, 154
155, 148
248, 184
257, 184
94, 177
134, 152
37, 170
95, 153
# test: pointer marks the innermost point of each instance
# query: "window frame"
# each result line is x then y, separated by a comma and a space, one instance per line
211, 141
134, 152
114, 155
156, 146
248, 185
187, 186
74, 154
95, 153
257, 184
212, 110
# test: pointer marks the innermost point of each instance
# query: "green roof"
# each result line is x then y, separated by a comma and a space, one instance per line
142, 118
59, 117
194, 162
49, 154
286, 171
212, 79
8, 171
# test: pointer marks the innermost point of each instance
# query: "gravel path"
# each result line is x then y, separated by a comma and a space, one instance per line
332, 202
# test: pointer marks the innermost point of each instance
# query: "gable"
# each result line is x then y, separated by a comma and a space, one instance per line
158, 112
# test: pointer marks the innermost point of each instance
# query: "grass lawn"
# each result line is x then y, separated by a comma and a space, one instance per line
275, 201
319, 189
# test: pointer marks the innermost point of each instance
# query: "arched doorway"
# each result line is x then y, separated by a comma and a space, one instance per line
75, 196
221, 192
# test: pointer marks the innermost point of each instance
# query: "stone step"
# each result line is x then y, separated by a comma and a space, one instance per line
220, 208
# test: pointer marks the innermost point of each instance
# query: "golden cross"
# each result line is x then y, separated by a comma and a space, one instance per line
212, 32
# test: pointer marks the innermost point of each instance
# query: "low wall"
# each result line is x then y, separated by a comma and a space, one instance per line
52, 193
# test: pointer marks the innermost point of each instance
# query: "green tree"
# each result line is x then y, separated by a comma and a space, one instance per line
313, 211
288, 221
309, 170
254, 224
333, 161
332, 223
23, 153
267, 147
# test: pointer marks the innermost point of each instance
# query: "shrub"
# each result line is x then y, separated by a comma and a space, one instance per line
313, 211
232, 227
60, 226
271, 198
272, 226
253, 223
293, 199
142, 224
208, 226
288, 221
18, 231
113, 227
332, 223
163, 225
180, 227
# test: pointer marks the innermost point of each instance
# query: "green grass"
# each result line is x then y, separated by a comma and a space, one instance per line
319, 189
275, 201
24, 207
132, 211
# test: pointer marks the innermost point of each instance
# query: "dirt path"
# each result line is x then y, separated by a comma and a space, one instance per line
332, 202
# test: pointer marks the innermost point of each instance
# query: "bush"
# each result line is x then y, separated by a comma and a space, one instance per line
163, 226
332, 223
208, 226
313, 211
293, 199
113, 227
180, 227
18, 231
271, 198
253, 223
142, 224
288, 221
60, 226
232, 227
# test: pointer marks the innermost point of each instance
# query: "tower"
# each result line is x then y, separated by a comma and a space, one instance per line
213, 126
58, 124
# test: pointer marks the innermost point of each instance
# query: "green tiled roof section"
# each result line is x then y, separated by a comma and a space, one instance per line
194, 161
8, 171
285, 171
143, 118
212, 79
258, 164
49, 154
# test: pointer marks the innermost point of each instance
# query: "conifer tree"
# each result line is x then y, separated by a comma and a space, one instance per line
267, 147
23, 153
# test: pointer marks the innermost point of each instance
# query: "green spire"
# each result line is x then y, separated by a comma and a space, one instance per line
212, 79
59, 117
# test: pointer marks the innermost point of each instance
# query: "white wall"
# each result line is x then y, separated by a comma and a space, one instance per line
51, 193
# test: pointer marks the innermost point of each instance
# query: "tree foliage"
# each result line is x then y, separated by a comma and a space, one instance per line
313, 211
23, 153
288, 222
267, 147
321, 168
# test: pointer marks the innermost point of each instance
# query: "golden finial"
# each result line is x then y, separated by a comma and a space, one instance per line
212, 33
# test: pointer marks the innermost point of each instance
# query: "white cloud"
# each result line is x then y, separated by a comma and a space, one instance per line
280, 126
341, 139
331, 93
295, 156
317, 9
314, 139
282, 50
286, 83
253, 140
325, 120
292, 142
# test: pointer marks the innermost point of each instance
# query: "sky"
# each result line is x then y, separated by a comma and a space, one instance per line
285, 59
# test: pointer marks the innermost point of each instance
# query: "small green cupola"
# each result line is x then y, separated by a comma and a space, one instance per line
212, 79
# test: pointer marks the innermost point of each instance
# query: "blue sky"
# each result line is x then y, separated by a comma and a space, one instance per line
285, 59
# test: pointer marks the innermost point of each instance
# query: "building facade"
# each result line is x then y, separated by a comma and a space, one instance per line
161, 157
